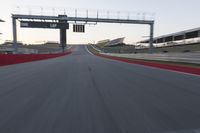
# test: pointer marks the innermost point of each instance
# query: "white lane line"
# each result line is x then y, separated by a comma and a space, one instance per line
96, 49
69, 47
88, 50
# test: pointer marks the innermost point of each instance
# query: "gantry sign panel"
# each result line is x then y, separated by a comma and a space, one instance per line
78, 28
38, 24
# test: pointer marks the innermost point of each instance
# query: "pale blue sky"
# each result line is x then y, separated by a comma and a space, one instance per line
171, 16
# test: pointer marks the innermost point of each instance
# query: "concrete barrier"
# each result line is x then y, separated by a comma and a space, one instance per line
178, 68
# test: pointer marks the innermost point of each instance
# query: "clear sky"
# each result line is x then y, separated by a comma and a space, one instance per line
171, 16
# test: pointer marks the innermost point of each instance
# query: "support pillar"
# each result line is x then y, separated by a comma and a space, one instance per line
173, 38
63, 38
184, 38
151, 38
199, 33
15, 46
63, 33
156, 41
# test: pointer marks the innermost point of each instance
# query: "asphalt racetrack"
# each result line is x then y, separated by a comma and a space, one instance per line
83, 93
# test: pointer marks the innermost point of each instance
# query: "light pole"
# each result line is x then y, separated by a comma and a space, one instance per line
1, 21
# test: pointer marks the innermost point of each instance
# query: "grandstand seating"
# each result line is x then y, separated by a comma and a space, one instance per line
116, 42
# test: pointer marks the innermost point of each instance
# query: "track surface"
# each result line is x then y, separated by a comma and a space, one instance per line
82, 93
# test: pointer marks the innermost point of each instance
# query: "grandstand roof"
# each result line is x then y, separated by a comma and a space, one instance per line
181, 33
103, 41
2, 20
116, 41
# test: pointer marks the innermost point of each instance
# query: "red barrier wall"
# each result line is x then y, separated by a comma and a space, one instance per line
8, 59
178, 68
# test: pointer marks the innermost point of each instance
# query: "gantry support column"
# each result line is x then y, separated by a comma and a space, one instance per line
63, 33
14, 23
184, 38
63, 38
199, 33
151, 47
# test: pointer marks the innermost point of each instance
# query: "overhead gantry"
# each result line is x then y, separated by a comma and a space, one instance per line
55, 22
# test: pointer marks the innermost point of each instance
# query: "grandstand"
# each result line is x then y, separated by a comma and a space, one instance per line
103, 43
111, 43
48, 47
116, 42
51, 44
114, 46
178, 38
183, 41
9, 50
